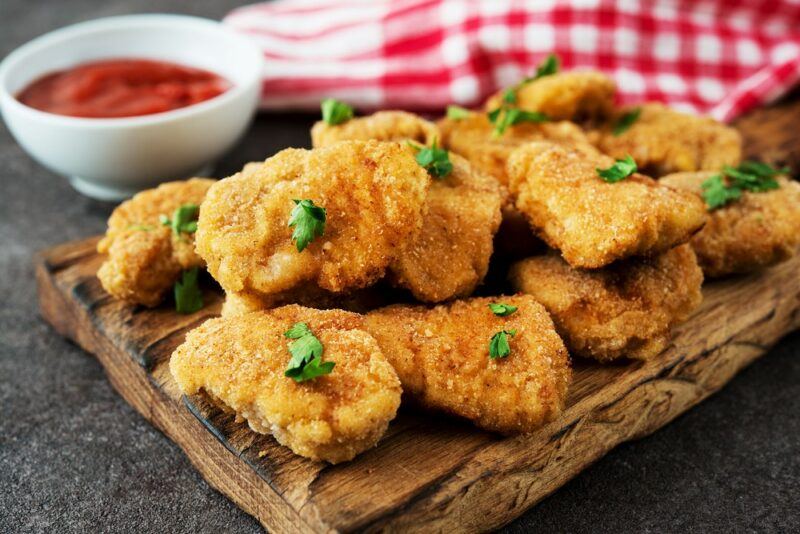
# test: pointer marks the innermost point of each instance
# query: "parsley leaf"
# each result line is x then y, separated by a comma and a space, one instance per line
433, 159
309, 223
498, 345
457, 113
503, 117
184, 219
297, 331
626, 121
547, 67
754, 176
717, 193
502, 310
306, 350
188, 297
335, 112
620, 170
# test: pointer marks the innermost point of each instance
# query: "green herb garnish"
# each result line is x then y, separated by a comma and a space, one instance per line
306, 350
721, 189
547, 67
184, 219
502, 310
309, 223
188, 297
620, 170
505, 116
433, 159
626, 121
457, 113
335, 112
498, 345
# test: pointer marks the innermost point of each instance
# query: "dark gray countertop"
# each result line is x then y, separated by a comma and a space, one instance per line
74, 457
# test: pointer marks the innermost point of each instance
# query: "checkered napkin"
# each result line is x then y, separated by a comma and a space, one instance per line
707, 56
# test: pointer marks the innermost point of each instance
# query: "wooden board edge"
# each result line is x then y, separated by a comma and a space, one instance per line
469, 500
225, 472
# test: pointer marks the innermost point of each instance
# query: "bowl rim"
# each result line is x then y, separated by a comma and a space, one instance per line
53, 38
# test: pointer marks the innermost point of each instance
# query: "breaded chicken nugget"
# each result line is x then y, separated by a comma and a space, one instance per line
593, 222
240, 362
450, 256
381, 126
472, 137
145, 258
373, 194
575, 96
758, 230
624, 310
441, 355
663, 141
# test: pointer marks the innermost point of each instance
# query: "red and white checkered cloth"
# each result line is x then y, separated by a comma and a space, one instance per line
708, 56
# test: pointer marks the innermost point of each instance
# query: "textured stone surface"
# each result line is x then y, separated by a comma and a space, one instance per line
74, 457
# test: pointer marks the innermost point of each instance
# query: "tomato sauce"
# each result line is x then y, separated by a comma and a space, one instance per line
122, 88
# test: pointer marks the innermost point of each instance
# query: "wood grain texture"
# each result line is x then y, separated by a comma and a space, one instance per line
429, 473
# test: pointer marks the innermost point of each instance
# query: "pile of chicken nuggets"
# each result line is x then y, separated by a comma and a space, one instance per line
633, 206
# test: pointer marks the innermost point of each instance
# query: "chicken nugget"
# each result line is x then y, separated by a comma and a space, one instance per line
442, 356
450, 256
625, 310
575, 96
758, 230
381, 126
472, 137
240, 363
145, 257
373, 194
591, 221
664, 141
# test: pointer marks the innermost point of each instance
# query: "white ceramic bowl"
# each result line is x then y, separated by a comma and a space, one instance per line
111, 159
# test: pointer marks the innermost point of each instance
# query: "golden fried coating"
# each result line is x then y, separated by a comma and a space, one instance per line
373, 192
575, 96
450, 256
592, 222
472, 137
145, 258
240, 362
624, 310
663, 141
381, 126
441, 355
758, 230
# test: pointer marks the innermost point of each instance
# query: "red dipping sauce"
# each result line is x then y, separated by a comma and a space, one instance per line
122, 88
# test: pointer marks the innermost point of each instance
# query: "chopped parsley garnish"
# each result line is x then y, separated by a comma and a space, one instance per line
502, 310
498, 345
188, 297
457, 113
433, 159
626, 121
309, 223
506, 116
184, 219
548, 66
335, 112
620, 170
306, 350
723, 188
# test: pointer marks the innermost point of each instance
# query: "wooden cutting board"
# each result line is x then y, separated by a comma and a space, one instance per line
429, 473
